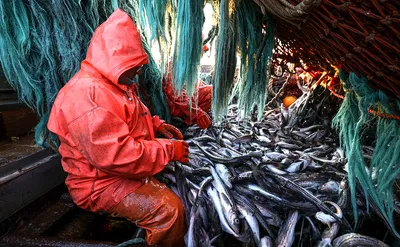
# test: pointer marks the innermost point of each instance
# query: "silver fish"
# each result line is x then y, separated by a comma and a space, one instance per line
227, 202
260, 190
330, 187
272, 217
219, 184
328, 235
275, 170
266, 242
263, 139
243, 176
218, 207
286, 232
275, 156
204, 217
297, 166
191, 240
328, 219
283, 144
286, 161
354, 239
336, 161
224, 174
253, 223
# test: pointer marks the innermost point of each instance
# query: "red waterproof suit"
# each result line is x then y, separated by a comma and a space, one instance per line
107, 135
179, 105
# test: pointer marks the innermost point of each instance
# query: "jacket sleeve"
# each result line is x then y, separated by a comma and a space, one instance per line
191, 113
105, 141
157, 123
182, 103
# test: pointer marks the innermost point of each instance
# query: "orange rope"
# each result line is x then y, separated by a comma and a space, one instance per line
322, 78
336, 94
329, 86
373, 112
383, 115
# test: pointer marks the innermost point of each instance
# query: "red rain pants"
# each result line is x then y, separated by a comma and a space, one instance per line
156, 209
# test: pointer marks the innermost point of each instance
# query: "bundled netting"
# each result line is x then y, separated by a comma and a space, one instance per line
256, 42
43, 43
153, 17
225, 62
156, 18
152, 83
376, 177
188, 45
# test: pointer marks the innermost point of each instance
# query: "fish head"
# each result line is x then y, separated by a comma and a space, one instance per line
330, 186
234, 221
325, 218
204, 239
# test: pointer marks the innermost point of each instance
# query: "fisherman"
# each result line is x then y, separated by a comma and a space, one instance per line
196, 111
108, 138
179, 105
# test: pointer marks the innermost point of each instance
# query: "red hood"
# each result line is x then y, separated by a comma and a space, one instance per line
116, 47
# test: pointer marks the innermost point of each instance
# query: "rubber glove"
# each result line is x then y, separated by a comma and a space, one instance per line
203, 120
181, 151
170, 131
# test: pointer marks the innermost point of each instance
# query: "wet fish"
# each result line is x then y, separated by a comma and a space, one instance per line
243, 177
263, 192
266, 242
272, 217
316, 235
253, 223
330, 187
183, 190
275, 170
275, 156
283, 144
286, 232
297, 166
191, 240
328, 235
328, 219
224, 174
227, 202
354, 239
246, 203
218, 207
308, 196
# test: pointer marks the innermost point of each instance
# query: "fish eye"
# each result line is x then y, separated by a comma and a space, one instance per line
236, 221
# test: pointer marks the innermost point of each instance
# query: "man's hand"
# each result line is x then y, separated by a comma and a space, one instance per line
181, 151
170, 131
203, 120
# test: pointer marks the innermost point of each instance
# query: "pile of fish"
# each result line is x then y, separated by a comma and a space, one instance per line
267, 183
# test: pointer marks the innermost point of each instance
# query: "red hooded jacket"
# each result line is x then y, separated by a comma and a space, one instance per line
107, 135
